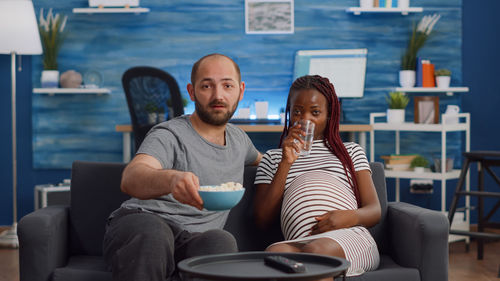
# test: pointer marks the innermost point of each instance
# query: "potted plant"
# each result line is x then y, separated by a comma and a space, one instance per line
419, 163
443, 77
397, 102
418, 37
51, 30
153, 112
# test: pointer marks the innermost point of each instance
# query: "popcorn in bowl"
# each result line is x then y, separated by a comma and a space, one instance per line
228, 186
221, 197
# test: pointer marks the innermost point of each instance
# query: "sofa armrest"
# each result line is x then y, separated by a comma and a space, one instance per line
43, 242
419, 239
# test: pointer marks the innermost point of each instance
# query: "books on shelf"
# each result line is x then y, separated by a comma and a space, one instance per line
424, 73
385, 3
398, 162
428, 74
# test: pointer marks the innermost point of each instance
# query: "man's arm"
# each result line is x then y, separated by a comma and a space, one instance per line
257, 161
144, 178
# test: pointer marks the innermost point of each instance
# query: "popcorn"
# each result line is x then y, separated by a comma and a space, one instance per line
228, 186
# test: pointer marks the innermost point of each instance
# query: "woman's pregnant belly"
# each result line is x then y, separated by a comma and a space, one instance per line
310, 195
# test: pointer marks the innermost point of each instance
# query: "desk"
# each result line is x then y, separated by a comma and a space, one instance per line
361, 129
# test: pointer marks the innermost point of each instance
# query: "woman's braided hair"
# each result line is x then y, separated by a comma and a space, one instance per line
331, 135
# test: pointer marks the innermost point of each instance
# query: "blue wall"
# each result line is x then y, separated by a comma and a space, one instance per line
59, 129
177, 33
481, 50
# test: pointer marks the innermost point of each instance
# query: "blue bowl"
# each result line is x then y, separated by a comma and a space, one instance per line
221, 200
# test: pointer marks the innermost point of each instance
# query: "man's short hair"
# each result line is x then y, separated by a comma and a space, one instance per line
196, 65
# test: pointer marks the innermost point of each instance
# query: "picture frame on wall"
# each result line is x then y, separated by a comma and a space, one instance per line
269, 17
426, 110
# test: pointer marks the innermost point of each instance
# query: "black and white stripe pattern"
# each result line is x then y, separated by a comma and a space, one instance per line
317, 184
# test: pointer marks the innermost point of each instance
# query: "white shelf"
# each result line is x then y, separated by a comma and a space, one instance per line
404, 11
462, 125
137, 10
453, 174
71, 91
449, 91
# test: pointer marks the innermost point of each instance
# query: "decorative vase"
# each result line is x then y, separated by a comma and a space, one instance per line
70, 79
443, 81
403, 3
395, 116
407, 78
50, 79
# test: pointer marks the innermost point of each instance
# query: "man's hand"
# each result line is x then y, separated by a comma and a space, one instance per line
332, 220
184, 187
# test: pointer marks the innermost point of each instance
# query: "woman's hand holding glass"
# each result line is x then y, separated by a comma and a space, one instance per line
292, 144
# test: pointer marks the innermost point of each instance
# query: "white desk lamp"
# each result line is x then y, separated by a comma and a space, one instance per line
18, 35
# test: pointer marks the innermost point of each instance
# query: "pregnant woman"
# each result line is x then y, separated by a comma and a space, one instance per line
326, 199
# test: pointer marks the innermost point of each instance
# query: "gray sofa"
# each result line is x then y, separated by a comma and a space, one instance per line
65, 242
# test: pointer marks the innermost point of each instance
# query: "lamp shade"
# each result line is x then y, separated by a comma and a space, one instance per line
18, 28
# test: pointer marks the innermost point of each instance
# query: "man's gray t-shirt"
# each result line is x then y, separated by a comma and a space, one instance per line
178, 146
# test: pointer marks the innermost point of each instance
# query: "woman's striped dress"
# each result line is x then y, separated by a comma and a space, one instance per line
317, 184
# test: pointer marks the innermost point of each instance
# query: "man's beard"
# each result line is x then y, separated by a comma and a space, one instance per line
211, 118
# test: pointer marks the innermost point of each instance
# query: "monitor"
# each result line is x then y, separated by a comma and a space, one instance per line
345, 68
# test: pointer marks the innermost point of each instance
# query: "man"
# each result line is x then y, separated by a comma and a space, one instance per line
164, 222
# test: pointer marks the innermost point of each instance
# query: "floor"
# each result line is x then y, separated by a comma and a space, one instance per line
463, 265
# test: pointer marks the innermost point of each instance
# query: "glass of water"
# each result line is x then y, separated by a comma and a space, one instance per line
308, 127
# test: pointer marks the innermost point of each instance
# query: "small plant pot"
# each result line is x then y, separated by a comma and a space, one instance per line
419, 169
50, 79
395, 116
407, 78
443, 81
161, 117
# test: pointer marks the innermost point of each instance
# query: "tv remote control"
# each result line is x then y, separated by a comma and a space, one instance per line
284, 264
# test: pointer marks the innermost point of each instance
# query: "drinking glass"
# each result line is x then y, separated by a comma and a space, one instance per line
308, 127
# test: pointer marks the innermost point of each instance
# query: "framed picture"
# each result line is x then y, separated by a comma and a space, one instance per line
269, 17
426, 110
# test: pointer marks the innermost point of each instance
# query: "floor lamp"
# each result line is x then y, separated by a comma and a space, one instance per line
18, 36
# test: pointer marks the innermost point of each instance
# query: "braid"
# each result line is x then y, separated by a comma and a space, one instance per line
332, 132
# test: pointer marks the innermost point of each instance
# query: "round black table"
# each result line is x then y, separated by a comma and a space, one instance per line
250, 266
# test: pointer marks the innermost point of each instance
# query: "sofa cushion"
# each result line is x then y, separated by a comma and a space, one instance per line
83, 268
95, 193
388, 270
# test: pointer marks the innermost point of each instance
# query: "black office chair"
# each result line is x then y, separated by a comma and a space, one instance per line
150, 90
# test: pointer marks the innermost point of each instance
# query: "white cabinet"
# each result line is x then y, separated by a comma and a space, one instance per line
443, 176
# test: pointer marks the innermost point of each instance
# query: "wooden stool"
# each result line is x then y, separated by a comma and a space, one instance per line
484, 159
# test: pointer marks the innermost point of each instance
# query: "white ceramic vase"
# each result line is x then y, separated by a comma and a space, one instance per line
443, 81
403, 3
50, 79
366, 3
395, 116
407, 78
